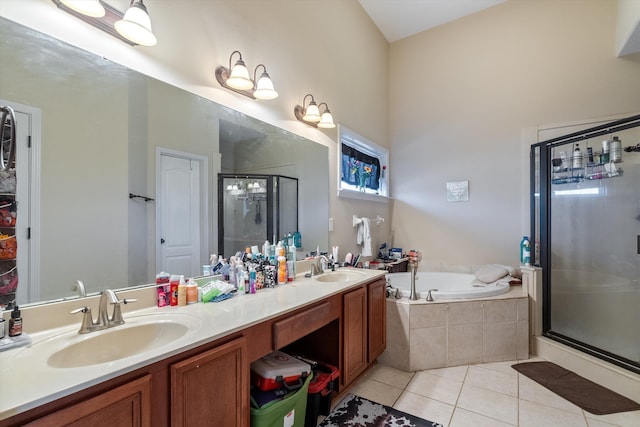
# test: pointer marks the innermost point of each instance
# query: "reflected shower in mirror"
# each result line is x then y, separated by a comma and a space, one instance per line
97, 129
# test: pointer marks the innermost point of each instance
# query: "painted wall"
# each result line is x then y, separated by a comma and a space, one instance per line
328, 48
479, 82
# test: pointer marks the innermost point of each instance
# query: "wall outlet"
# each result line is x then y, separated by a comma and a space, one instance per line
330, 224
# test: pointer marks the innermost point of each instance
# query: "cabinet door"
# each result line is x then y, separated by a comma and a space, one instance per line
377, 302
355, 334
212, 388
124, 406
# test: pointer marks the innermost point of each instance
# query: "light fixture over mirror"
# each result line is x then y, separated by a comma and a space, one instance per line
132, 27
136, 25
310, 114
91, 8
237, 79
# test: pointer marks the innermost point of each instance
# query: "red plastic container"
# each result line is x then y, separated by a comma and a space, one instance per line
277, 370
323, 384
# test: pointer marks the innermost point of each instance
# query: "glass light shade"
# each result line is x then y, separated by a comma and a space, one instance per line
91, 8
264, 88
326, 121
239, 77
312, 113
136, 25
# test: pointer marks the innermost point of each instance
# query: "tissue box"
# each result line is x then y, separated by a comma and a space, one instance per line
395, 253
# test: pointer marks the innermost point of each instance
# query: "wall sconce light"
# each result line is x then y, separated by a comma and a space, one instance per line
91, 8
132, 27
311, 115
136, 25
238, 79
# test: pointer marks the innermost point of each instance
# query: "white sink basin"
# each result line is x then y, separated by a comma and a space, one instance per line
340, 276
137, 336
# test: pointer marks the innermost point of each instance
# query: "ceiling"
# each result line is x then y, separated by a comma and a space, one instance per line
398, 19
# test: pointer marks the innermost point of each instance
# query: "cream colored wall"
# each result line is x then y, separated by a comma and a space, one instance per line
477, 83
328, 48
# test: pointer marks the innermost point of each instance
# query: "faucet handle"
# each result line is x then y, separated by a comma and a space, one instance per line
128, 300
87, 319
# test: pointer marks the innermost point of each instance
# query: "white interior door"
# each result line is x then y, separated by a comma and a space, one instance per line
179, 214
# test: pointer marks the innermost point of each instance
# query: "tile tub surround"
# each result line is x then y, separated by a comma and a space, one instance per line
426, 335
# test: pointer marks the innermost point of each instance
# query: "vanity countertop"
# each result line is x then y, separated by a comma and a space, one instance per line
28, 382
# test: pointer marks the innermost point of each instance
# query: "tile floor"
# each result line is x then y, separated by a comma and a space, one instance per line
490, 394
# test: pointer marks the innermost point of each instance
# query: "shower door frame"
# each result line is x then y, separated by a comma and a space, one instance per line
540, 210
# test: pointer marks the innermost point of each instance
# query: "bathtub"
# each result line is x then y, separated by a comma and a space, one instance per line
448, 285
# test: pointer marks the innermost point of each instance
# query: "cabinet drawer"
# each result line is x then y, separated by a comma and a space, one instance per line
297, 326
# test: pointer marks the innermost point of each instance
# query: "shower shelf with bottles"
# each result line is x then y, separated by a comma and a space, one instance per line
584, 166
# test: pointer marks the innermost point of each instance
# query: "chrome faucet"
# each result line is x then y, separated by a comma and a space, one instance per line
319, 265
104, 321
414, 258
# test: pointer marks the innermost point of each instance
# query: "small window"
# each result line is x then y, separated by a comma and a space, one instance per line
363, 168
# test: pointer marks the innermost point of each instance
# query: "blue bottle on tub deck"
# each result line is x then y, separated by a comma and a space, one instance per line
525, 251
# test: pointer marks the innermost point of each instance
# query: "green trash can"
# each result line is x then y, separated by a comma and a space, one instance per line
287, 412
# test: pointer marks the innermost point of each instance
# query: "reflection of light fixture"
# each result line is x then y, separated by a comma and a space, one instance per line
136, 25
238, 79
91, 8
310, 114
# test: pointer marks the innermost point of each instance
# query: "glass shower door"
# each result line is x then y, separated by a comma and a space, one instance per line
594, 244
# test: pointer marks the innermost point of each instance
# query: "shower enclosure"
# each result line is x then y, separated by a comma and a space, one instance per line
254, 208
585, 207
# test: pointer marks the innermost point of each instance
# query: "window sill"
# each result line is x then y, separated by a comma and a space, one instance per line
350, 194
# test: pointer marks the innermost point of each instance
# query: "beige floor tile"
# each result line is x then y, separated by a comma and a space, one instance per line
388, 375
622, 419
424, 407
455, 373
494, 380
533, 392
376, 391
536, 415
596, 423
504, 367
490, 403
435, 387
464, 418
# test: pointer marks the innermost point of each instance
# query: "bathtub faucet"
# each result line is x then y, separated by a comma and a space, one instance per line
414, 259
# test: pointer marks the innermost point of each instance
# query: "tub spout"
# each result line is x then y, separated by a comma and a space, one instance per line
414, 267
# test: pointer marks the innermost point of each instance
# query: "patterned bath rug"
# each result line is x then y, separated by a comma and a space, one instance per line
356, 411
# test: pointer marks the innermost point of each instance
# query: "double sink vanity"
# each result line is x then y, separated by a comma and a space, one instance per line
189, 365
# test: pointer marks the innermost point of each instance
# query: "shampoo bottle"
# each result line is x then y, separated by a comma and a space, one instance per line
282, 270
182, 291
525, 251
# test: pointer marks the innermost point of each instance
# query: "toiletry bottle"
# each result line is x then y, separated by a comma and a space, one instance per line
282, 270
252, 280
2, 327
15, 323
174, 282
604, 157
577, 158
192, 292
297, 240
525, 251
616, 150
182, 291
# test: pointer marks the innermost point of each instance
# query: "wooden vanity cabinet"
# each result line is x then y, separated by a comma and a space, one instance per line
364, 328
354, 330
123, 406
377, 318
212, 388
209, 385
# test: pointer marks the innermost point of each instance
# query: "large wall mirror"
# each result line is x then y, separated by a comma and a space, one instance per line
99, 133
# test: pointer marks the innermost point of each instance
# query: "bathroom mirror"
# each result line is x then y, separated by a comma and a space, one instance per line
97, 126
